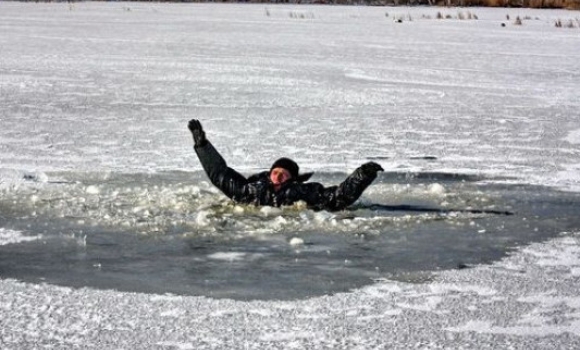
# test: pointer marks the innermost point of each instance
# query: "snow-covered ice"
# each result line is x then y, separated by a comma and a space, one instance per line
102, 89
11, 237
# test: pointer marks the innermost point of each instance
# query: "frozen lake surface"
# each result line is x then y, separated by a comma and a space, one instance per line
99, 185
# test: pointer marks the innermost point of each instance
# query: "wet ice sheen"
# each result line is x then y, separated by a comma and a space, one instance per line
173, 232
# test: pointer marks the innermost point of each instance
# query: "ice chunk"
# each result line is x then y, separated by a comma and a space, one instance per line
323, 216
436, 189
278, 222
296, 241
227, 256
92, 189
201, 218
270, 211
36, 177
11, 237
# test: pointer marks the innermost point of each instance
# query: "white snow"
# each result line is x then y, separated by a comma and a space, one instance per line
295, 241
229, 256
11, 237
573, 137
109, 87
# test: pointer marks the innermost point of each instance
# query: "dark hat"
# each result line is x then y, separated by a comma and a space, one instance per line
292, 168
287, 164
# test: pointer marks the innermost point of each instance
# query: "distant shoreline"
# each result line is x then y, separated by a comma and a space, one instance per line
539, 4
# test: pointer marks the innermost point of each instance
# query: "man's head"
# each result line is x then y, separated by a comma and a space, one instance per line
283, 170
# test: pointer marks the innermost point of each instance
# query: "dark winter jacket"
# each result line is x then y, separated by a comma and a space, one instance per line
258, 190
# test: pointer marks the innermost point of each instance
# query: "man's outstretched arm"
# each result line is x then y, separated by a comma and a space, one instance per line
229, 181
341, 196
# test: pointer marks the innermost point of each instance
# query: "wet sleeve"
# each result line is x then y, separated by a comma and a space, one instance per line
341, 196
230, 182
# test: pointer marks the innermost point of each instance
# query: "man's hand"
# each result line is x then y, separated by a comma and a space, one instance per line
371, 168
197, 132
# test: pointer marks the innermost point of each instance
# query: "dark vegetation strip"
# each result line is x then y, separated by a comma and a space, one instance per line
553, 4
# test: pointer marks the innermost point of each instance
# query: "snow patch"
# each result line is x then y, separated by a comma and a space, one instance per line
286, 336
568, 256
176, 345
551, 299
228, 256
524, 329
573, 137
457, 288
12, 237
270, 211
568, 178
92, 190
436, 189
296, 241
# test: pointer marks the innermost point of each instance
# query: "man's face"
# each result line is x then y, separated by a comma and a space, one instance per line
279, 175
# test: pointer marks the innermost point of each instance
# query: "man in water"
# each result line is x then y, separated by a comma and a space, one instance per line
282, 184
